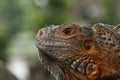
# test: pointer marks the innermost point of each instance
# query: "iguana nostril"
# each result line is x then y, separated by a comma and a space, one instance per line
41, 32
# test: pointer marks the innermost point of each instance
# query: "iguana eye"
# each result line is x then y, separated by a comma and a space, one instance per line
67, 31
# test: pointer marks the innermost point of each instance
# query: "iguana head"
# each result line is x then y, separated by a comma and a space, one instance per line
75, 52
64, 40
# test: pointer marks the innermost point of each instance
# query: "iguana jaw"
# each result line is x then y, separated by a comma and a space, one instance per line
52, 65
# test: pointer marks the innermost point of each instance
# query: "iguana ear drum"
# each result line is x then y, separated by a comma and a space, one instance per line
87, 43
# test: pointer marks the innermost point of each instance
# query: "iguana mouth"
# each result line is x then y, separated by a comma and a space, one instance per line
43, 44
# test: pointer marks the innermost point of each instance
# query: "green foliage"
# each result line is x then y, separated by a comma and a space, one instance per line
110, 10
54, 13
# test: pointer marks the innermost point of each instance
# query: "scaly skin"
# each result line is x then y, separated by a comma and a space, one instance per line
74, 52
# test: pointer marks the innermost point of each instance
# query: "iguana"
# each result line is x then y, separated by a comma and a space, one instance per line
80, 52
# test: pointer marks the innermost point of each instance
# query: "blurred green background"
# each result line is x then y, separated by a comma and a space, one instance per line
21, 19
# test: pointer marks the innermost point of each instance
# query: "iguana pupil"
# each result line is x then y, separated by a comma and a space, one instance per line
67, 31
